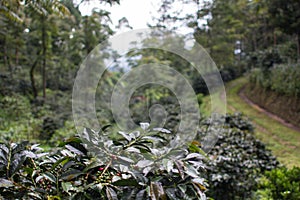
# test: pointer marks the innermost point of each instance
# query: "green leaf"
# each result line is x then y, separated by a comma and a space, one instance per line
105, 127
70, 140
141, 195
194, 155
182, 188
171, 194
10, 15
156, 138
142, 147
144, 125
168, 164
200, 183
89, 136
92, 165
4, 148
67, 186
115, 178
133, 150
3, 155
99, 187
126, 182
144, 163
68, 165
162, 130
17, 162
66, 159
157, 192
196, 149
74, 150
16, 148
5, 183
35, 195
128, 160
37, 179
50, 177
111, 194
191, 171
134, 134
29, 154
180, 167
71, 174
36, 148
125, 135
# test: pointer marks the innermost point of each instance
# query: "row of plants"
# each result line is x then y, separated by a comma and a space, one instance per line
148, 164
237, 160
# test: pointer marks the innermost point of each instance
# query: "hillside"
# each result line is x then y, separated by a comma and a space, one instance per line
281, 137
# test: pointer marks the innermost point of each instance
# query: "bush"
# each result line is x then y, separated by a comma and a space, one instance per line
16, 120
237, 160
282, 79
280, 183
265, 59
137, 165
113, 169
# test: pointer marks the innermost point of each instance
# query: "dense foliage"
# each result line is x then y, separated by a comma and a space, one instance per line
281, 183
137, 165
237, 160
238, 33
43, 43
282, 79
96, 167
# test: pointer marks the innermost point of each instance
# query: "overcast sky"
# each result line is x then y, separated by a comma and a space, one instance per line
137, 12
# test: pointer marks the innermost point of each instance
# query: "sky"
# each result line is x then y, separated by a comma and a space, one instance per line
137, 12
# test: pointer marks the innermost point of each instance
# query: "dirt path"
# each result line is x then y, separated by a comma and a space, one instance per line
241, 93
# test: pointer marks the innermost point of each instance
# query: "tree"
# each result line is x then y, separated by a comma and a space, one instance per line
11, 18
95, 29
41, 12
9, 10
286, 16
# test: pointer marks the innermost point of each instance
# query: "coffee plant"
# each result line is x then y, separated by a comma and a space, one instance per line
136, 165
237, 160
147, 163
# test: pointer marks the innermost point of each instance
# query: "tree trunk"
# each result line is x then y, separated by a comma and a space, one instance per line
17, 56
34, 90
7, 61
274, 38
298, 47
44, 46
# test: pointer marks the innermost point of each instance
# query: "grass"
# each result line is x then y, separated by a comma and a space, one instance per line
281, 140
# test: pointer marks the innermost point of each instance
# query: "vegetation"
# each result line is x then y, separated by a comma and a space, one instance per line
44, 42
282, 140
237, 160
282, 79
281, 183
281, 84
73, 171
135, 165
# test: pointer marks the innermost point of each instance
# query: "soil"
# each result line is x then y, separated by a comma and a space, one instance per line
266, 112
242, 95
